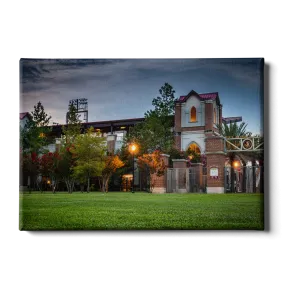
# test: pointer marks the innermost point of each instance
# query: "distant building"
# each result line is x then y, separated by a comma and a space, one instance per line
195, 114
24, 118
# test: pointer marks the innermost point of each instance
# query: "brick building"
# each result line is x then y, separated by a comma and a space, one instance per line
195, 126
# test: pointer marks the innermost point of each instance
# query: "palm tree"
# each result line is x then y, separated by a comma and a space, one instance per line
233, 130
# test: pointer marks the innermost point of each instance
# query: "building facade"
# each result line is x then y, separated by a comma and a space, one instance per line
195, 126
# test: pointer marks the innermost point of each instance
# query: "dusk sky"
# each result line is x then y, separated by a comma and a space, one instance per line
124, 88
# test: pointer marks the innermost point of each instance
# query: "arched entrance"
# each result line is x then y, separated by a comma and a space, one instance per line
194, 152
194, 147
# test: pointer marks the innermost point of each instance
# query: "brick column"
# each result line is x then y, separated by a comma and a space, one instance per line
177, 126
179, 163
221, 115
177, 141
209, 120
111, 141
160, 183
216, 161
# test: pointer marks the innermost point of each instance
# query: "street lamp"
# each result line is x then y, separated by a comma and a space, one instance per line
132, 149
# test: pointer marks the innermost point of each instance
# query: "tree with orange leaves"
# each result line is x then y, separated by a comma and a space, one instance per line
112, 163
155, 164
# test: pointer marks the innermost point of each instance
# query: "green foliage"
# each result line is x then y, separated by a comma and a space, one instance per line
39, 115
233, 130
66, 162
177, 154
89, 152
34, 136
73, 128
193, 156
164, 104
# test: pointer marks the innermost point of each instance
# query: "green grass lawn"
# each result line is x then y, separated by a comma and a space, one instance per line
120, 211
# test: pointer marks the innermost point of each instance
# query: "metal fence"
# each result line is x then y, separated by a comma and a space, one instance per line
246, 179
187, 180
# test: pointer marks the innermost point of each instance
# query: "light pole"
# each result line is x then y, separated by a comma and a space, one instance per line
132, 149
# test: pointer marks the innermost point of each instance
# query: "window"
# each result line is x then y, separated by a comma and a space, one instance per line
215, 116
193, 117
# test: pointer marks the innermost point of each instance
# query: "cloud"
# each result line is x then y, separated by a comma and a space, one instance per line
124, 88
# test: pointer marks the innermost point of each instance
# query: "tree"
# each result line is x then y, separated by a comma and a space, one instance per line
39, 115
30, 165
49, 167
73, 128
65, 167
155, 164
156, 130
35, 134
67, 162
112, 163
233, 130
89, 151
164, 104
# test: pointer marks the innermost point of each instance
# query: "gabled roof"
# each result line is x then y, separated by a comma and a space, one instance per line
202, 96
23, 115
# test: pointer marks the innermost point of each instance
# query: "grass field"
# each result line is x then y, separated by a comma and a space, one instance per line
142, 211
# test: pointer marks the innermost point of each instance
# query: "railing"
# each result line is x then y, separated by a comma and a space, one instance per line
243, 144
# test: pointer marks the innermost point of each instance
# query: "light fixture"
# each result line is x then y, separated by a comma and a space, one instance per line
132, 149
236, 164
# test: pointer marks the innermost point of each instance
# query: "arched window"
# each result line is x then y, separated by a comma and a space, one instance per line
215, 116
193, 117
195, 148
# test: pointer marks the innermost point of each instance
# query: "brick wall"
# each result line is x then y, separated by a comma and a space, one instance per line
177, 118
208, 116
221, 115
177, 142
215, 158
214, 144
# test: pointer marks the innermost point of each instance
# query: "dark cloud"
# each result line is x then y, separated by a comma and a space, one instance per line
124, 88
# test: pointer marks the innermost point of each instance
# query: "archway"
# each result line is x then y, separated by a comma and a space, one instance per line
194, 152
194, 147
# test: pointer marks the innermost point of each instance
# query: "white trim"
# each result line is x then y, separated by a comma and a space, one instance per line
166, 155
191, 132
215, 190
215, 152
159, 190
